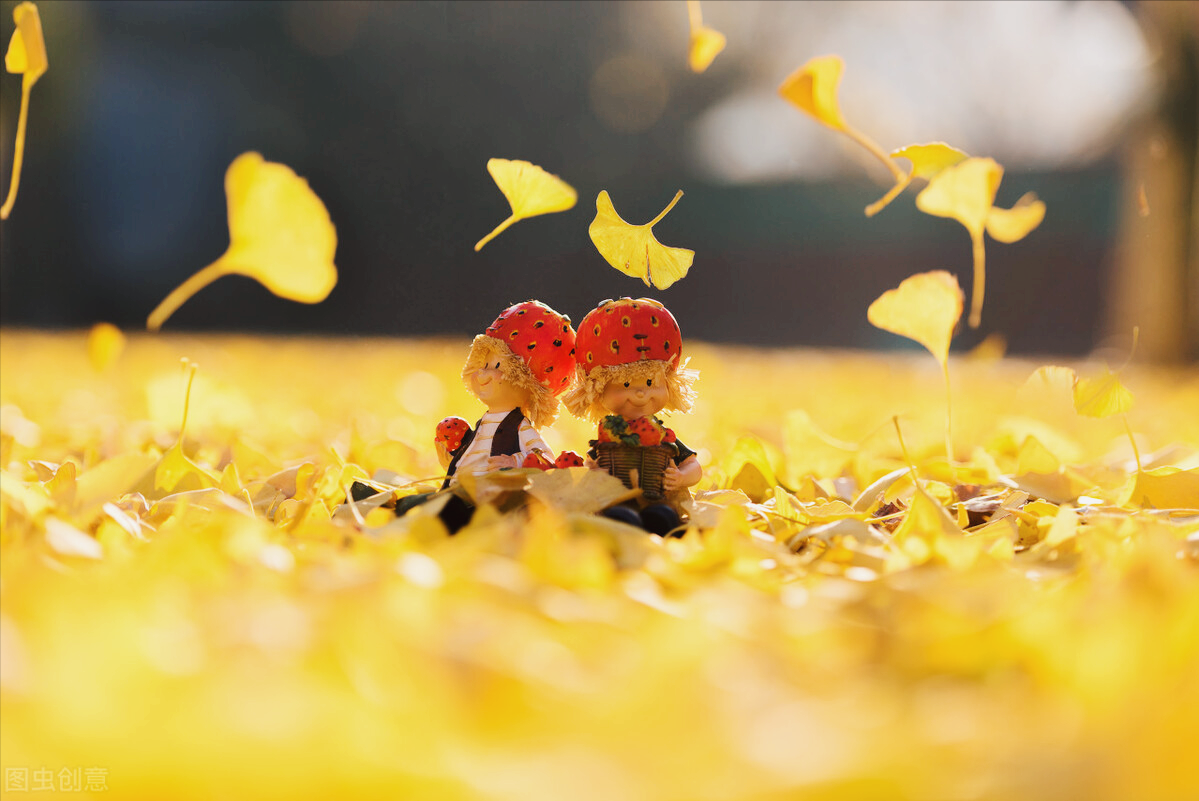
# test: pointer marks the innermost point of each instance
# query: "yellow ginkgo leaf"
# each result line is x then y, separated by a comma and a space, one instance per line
279, 234
1162, 488
529, 190
1101, 396
633, 250
706, 43
1012, 225
925, 307
927, 160
104, 345
27, 56
964, 192
813, 88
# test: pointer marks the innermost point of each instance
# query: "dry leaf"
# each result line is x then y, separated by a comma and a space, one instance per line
633, 250
26, 56
530, 191
280, 234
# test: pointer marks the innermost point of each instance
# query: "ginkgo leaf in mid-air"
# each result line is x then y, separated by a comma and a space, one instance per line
927, 161
530, 191
706, 43
1101, 396
813, 89
966, 192
27, 56
925, 307
104, 345
633, 250
279, 234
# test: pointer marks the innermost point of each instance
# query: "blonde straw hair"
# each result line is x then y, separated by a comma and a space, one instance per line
585, 398
542, 406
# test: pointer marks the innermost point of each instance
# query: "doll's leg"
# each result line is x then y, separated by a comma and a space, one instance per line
624, 514
456, 513
662, 520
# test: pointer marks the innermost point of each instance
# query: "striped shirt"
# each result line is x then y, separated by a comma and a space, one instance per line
479, 451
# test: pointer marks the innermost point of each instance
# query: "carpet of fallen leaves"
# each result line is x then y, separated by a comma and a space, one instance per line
194, 616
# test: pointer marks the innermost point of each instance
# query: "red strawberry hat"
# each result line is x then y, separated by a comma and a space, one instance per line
625, 340
535, 346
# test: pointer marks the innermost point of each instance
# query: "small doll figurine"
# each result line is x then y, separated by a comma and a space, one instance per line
628, 355
517, 368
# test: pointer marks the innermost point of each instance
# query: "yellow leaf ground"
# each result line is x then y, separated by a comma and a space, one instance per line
243, 640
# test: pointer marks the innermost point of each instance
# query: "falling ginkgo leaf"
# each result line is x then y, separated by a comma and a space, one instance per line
1101, 396
706, 43
925, 307
813, 89
927, 161
104, 345
279, 234
966, 192
530, 191
26, 55
633, 250
174, 466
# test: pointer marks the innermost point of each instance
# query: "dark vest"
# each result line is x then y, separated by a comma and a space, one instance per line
506, 441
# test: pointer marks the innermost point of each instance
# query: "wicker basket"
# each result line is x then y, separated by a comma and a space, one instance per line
650, 462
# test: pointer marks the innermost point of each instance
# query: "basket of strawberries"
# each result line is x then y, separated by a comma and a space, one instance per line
635, 450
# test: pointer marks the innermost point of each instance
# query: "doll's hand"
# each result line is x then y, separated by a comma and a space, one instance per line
591, 464
672, 479
687, 474
500, 462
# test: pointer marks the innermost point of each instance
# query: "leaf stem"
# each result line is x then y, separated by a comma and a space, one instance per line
666, 210
693, 14
183, 292
948, 414
904, 450
878, 205
499, 229
1136, 453
18, 155
980, 279
876, 151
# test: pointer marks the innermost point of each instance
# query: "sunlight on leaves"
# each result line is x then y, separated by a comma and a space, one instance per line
1101, 396
26, 56
280, 234
530, 191
633, 250
706, 43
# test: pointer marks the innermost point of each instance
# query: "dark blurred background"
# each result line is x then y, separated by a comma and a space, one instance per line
392, 109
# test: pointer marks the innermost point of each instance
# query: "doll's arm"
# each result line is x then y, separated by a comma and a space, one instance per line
686, 474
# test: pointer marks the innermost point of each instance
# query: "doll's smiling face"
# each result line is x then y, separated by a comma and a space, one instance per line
636, 398
491, 386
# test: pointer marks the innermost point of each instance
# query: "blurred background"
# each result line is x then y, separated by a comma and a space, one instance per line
392, 109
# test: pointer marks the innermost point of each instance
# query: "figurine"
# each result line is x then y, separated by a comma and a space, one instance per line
518, 367
628, 355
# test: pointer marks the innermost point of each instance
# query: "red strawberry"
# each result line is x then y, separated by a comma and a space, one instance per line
568, 459
535, 459
611, 428
626, 331
450, 431
646, 430
669, 436
542, 338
